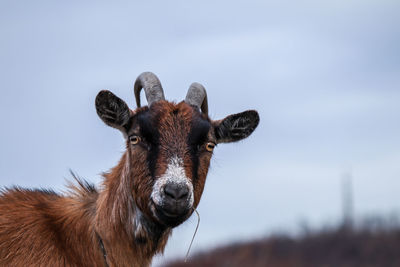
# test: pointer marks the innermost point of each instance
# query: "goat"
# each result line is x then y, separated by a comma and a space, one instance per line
156, 186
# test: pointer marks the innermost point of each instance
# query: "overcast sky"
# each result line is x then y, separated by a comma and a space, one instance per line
324, 76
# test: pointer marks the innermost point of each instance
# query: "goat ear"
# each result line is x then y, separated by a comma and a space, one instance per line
112, 110
236, 127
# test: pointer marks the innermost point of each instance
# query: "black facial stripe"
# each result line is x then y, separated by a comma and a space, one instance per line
129, 124
147, 130
151, 136
197, 137
199, 131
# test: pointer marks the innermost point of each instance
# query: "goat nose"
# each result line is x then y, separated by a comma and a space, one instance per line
176, 191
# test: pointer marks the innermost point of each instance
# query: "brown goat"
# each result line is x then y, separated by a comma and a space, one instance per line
156, 186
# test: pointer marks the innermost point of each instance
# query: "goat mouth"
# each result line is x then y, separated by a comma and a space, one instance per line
168, 218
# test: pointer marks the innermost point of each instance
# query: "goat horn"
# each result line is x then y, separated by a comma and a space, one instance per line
197, 96
152, 88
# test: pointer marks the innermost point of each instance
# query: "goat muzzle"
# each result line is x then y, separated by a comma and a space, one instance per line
176, 204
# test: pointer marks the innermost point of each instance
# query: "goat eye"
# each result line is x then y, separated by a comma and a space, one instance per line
210, 146
134, 139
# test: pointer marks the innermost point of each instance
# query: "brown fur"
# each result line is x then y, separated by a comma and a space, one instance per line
39, 228
42, 228
174, 124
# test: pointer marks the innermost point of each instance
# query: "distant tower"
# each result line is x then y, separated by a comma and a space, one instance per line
347, 199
